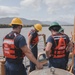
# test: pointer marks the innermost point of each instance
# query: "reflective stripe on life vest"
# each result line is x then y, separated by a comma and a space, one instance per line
9, 48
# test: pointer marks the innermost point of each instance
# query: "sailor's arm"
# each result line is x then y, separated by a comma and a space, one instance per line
29, 40
30, 56
69, 46
48, 49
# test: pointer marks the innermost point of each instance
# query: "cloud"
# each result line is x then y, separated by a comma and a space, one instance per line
52, 6
32, 4
56, 6
8, 11
40, 9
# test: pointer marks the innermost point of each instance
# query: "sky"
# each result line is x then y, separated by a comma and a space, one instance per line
42, 10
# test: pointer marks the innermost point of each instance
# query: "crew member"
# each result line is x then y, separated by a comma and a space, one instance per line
33, 40
56, 47
15, 49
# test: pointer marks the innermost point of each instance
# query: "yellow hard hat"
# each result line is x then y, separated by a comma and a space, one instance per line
16, 21
38, 27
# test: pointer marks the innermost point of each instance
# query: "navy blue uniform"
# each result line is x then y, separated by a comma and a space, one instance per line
57, 62
16, 66
34, 49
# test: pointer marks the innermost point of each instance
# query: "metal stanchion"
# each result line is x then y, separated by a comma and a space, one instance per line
2, 66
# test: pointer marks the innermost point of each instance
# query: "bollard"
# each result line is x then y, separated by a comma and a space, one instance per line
2, 66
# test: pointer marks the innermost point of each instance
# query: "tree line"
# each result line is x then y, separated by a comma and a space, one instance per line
8, 26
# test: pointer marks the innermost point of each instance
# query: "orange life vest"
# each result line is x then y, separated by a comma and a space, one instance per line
9, 48
35, 38
60, 46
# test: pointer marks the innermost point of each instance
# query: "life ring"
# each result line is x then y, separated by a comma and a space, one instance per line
42, 58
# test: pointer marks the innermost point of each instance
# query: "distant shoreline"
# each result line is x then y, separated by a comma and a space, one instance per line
7, 26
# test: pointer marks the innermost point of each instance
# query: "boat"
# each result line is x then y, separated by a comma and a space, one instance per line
44, 60
2, 67
50, 71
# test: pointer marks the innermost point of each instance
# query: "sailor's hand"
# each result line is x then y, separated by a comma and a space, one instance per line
43, 34
48, 55
69, 66
70, 46
39, 65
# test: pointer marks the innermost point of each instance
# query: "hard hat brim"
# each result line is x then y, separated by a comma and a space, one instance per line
16, 24
53, 26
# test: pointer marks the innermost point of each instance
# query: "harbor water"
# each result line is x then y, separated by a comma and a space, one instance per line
24, 32
3, 31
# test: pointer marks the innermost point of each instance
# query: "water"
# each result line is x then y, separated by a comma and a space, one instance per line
4, 31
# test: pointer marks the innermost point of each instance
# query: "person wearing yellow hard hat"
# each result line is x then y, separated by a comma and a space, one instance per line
32, 43
56, 47
15, 49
